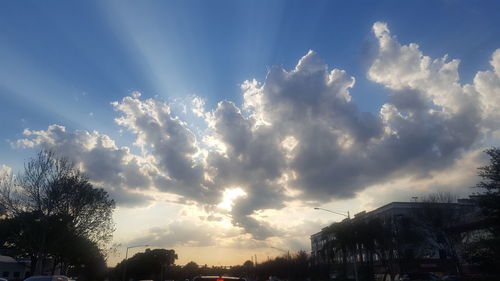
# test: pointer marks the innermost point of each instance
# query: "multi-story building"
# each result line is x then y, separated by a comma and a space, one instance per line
417, 237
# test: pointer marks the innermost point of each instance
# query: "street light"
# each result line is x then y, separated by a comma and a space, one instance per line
355, 252
126, 256
284, 251
287, 257
337, 213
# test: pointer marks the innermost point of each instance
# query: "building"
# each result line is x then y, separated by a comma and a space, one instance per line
397, 238
11, 269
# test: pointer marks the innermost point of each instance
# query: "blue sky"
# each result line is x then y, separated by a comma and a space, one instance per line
52, 51
65, 62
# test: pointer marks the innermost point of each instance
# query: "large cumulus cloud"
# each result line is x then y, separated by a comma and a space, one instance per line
298, 136
172, 147
122, 173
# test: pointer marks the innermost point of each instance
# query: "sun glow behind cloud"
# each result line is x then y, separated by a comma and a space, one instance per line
229, 196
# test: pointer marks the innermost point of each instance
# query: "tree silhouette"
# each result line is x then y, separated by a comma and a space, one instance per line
50, 207
148, 265
486, 251
190, 270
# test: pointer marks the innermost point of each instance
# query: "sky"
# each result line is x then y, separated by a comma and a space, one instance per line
218, 126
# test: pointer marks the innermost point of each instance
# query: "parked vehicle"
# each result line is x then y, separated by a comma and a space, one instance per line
217, 278
451, 278
419, 276
48, 278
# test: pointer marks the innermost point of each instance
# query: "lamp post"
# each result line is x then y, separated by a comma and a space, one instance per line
126, 261
337, 213
355, 252
284, 251
288, 258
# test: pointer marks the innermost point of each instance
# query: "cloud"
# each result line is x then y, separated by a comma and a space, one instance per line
340, 150
114, 168
405, 67
458, 179
130, 198
312, 106
169, 142
487, 84
298, 136
5, 171
179, 233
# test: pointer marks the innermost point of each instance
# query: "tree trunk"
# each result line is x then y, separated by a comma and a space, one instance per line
34, 261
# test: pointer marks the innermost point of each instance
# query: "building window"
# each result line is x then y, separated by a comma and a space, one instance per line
17, 274
5, 274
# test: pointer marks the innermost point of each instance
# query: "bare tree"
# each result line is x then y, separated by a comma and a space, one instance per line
435, 220
440, 197
52, 193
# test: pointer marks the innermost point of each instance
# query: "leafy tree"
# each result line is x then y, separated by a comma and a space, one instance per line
487, 250
147, 265
190, 270
289, 267
47, 203
82, 258
300, 265
248, 264
490, 184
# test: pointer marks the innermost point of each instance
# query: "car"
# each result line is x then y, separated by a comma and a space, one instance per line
451, 278
3, 279
418, 276
48, 278
218, 278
